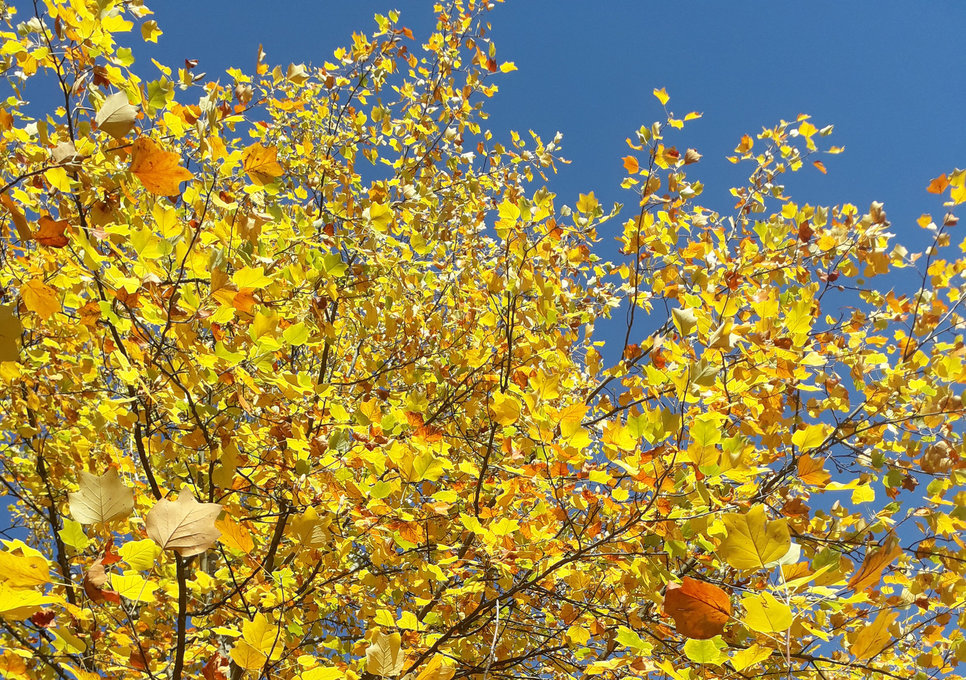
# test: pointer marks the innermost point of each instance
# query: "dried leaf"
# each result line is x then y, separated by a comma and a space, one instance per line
116, 115
184, 525
52, 233
700, 610
100, 498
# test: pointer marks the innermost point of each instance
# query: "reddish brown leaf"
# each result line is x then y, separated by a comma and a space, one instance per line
52, 233
700, 610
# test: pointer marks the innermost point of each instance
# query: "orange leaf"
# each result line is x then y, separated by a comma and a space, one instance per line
938, 185
158, 170
630, 164
260, 163
700, 610
820, 166
52, 233
235, 535
871, 570
812, 471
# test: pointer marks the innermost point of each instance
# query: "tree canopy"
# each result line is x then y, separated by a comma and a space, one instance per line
301, 376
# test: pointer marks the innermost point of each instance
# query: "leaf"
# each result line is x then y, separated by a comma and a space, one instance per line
100, 499
116, 115
19, 221
184, 525
700, 610
505, 408
437, 668
753, 541
159, 171
875, 562
380, 216
705, 651
765, 614
140, 555
749, 656
95, 578
133, 586
938, 185
17, 604
684, 320
10, 331
631, 165
261, 165
812, 471
40, 298
821, 167
873, 638
23, 571
383, 656
235, 535
662, 96
52, 233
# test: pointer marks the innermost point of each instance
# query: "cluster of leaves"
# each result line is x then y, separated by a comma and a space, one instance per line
298, 379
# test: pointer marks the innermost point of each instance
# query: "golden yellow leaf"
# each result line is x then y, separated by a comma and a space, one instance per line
159, 171
261, 164
23, 571
235, 535
765, 614
753, 540
505, 408
19, 221
875, 562
873, 637
661, 95
10, 331
40, 298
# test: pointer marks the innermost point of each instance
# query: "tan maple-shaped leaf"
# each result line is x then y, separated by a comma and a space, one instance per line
100, 499
159, 171
700, 610
10, 330
116, 115
260, 163
184, 525
383, 656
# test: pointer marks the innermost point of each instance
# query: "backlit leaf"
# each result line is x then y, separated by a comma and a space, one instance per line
700, 610
753, 540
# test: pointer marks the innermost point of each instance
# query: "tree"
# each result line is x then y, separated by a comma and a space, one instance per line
299, 380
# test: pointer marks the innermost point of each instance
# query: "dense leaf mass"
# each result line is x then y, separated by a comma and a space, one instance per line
299, 379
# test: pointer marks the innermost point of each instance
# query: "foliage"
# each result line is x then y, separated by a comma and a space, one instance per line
299, 380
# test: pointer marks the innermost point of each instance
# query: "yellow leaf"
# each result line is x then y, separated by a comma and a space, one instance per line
380, 216
437, 668
508, 66
17, 604
661, 95
873, 638
40, 298
753, 541
251, 277
383, 656
133, 586
140, 555
749, 656
505, 408
503, 526
159, 171
10, 332
587, 203
261, 165
23, 571
765, 614
19, 221
235, 535
809, 438
322, 673
247, 656
150, 31
570, 419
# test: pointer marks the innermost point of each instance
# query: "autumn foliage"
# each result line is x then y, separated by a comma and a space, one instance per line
299, 379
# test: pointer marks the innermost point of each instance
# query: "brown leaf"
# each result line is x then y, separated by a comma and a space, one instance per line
159, 171
52, 233
700, 610
184, 525
94, 580
216, 668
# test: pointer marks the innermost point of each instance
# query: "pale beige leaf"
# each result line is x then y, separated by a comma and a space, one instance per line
100, 499
184, 525
383, 657
116, 115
